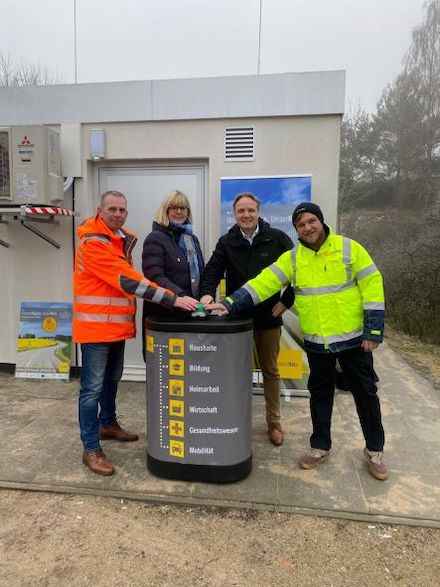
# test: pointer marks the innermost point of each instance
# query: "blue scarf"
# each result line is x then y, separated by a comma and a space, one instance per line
188, 245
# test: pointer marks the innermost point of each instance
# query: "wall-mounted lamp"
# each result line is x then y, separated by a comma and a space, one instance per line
97, 143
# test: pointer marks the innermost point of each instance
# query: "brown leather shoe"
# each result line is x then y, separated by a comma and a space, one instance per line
97, 462
313, 458
276, 435
116, 432
376, 466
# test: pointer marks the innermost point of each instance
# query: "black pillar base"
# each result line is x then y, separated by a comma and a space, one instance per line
207, 473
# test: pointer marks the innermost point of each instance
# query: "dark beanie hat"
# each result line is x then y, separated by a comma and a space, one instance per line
307, 207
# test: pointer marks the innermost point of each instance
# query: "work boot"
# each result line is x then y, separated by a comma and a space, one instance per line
116, 432
376, 466
97, 462
313, 458
276, 435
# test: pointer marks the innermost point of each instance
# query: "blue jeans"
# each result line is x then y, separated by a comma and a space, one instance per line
102, 365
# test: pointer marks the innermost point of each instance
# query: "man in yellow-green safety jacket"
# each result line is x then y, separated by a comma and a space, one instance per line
339, 300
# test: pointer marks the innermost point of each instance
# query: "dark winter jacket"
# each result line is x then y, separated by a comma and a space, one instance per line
241, 261
163, 258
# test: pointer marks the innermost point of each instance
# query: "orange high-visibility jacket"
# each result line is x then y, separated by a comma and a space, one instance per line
105, 285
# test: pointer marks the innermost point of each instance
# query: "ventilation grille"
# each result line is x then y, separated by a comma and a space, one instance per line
5, 176
239, 143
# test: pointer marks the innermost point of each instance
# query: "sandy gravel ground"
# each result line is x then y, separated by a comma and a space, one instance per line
56, 540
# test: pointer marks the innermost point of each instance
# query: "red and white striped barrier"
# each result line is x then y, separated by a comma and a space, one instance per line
48, 210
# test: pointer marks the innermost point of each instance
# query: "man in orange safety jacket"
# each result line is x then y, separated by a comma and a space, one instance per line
104, 313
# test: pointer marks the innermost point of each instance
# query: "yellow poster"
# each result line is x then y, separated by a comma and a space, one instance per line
290, 364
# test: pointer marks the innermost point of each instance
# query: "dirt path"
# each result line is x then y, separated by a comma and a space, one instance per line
55, 540
423, 356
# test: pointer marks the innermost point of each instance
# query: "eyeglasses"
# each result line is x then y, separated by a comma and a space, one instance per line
178, 208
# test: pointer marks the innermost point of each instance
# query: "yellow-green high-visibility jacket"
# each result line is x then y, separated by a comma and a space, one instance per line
339, 295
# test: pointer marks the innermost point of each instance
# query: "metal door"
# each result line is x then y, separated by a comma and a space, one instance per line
145, 188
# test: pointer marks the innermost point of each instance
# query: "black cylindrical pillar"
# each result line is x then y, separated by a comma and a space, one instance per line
199, 392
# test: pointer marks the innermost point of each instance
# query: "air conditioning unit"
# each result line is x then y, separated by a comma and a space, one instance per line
30, 165
5, 166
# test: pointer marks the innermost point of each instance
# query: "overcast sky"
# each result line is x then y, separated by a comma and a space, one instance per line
159, 39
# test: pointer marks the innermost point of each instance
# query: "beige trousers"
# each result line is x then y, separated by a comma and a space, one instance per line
267, 346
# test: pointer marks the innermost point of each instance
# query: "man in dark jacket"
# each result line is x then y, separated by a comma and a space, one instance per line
250, 246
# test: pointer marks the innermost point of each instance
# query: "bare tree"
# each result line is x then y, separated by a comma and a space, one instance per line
357, 155
390, 183
408, 116
395, 154
25, 74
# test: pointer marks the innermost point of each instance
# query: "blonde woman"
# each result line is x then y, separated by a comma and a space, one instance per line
171, 256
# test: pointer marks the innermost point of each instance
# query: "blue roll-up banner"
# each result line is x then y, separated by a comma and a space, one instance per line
44, 340
279, 195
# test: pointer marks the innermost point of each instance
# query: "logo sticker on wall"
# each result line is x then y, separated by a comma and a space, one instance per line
26, 150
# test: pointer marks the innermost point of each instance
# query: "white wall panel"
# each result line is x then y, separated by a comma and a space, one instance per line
31, 269
289, 94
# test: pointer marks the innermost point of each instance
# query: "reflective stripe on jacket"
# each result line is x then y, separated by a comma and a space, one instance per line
105, 285
339, 295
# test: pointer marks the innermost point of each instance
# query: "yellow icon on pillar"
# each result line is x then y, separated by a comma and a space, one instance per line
176, 346
176, 387
177, 428
176, 408
150, 344
177, 448
176, 367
